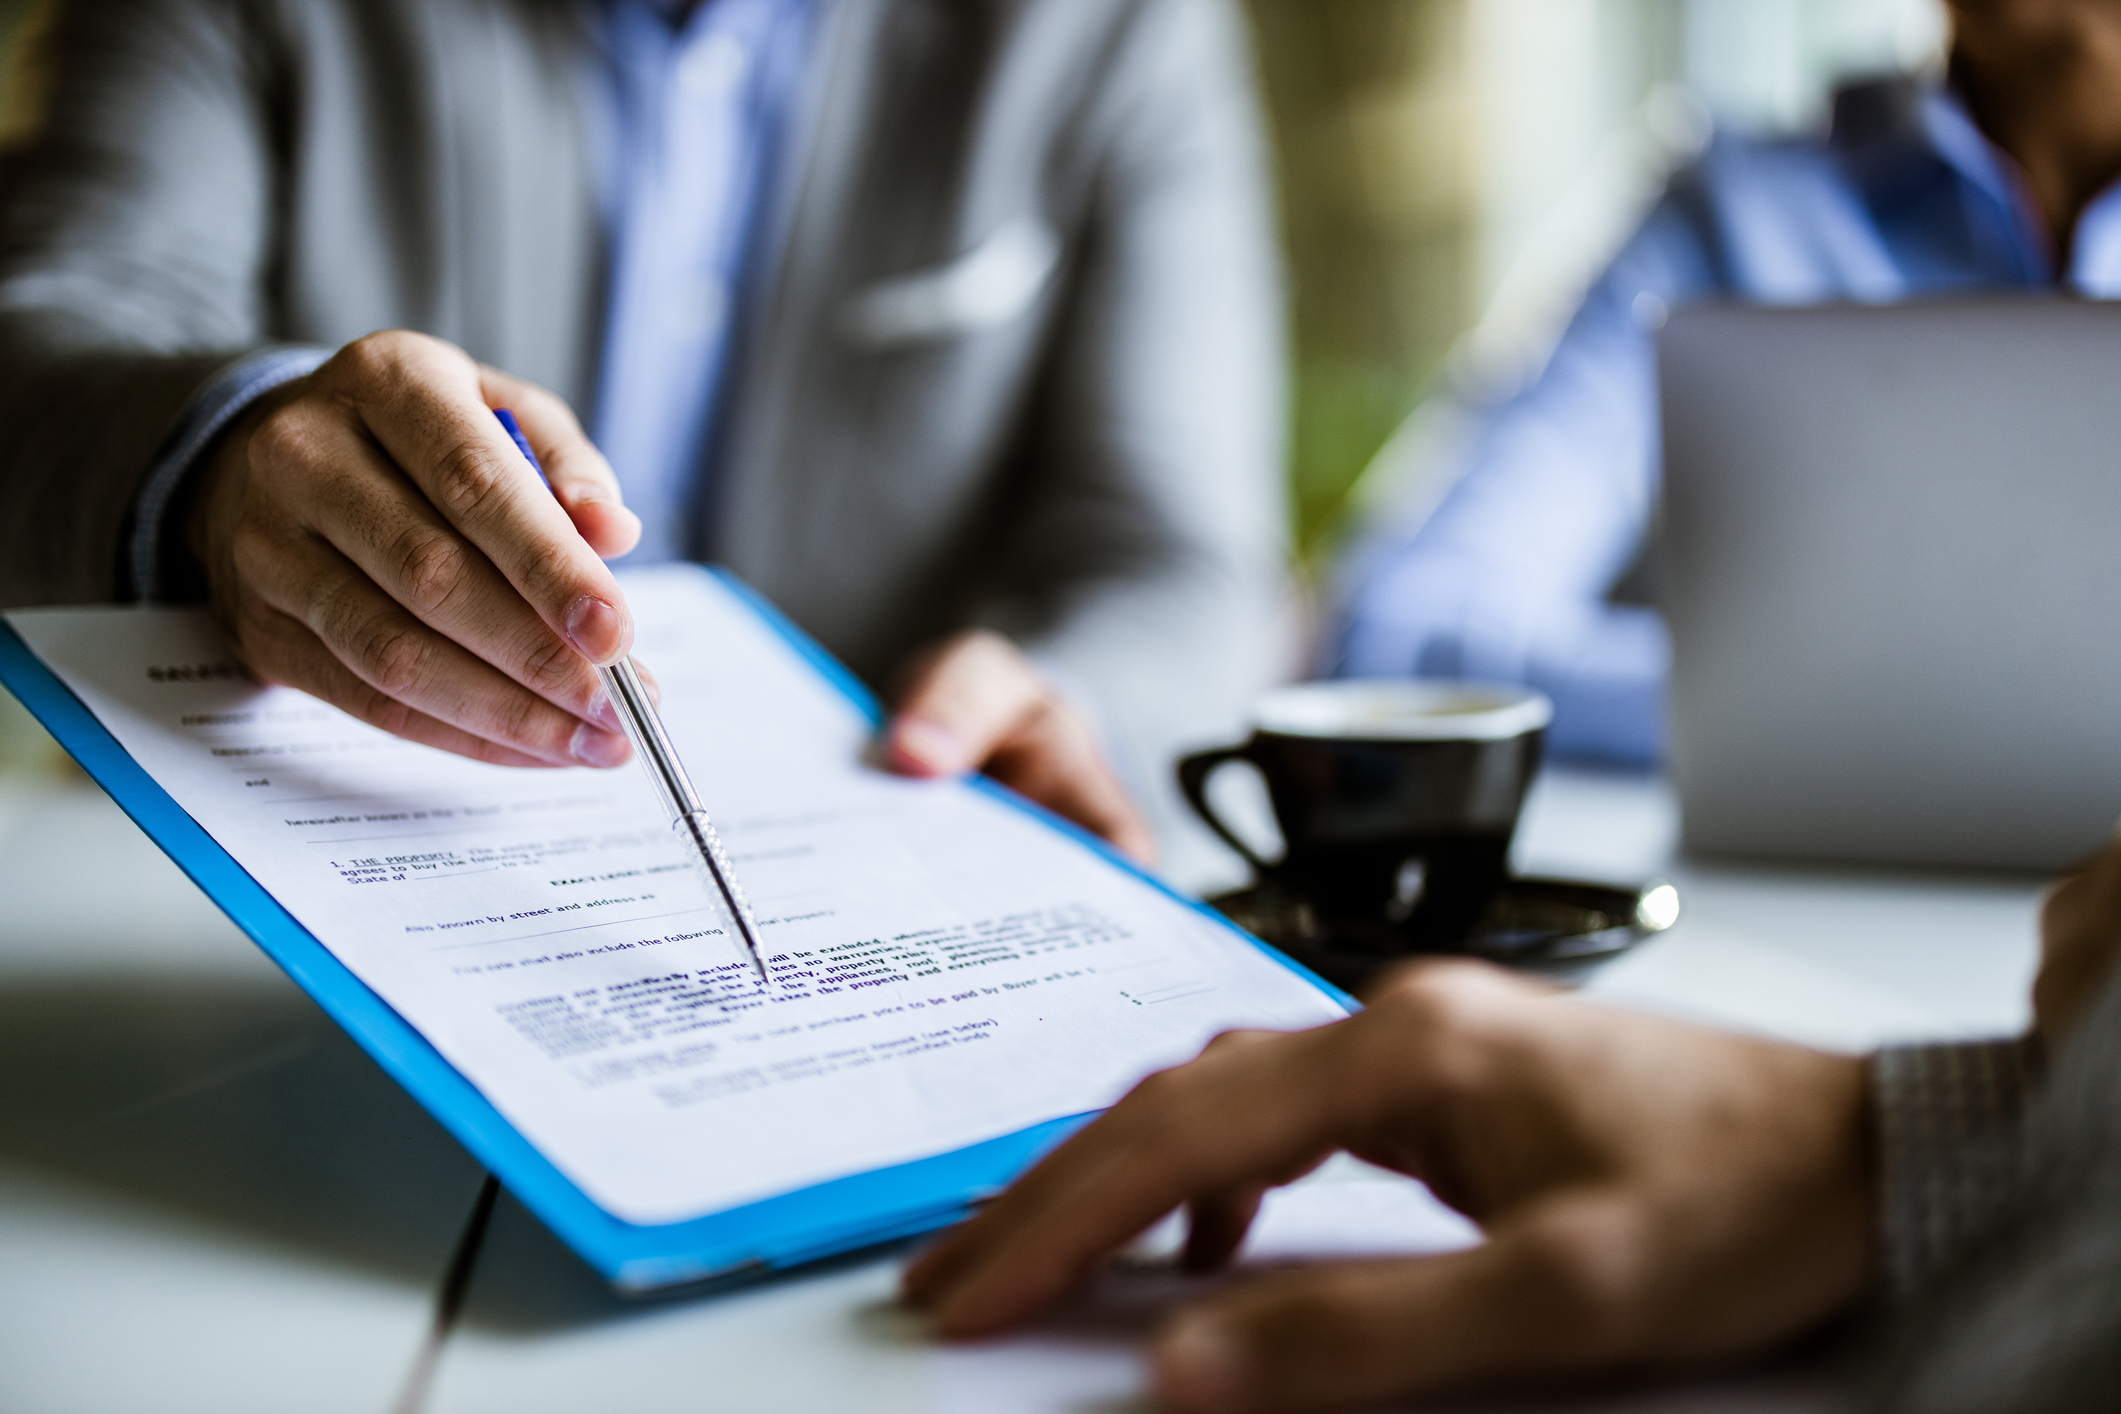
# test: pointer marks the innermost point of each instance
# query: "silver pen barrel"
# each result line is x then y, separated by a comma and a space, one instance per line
644, 728
708, 856
659, 758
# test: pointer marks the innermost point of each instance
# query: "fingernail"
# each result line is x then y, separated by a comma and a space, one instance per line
593, 627
1198, 1366
930, 747
606, 712
593, 746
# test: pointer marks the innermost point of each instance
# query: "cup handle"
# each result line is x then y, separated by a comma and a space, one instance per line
1193, 774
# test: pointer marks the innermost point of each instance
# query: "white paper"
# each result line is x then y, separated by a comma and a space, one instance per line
948, 967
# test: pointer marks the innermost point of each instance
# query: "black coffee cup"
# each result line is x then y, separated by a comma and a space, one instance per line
1396, 799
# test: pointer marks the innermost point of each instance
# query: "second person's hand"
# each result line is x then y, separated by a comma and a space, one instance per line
370, 534
1652, 1193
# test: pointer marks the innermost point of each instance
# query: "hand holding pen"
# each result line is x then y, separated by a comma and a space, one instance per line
365, 534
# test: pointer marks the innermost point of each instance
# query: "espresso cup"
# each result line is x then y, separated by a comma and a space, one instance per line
1396, 800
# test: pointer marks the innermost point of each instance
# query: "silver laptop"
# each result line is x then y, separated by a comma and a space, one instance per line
1892, 564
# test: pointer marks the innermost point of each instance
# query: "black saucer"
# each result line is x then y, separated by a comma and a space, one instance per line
1545, 925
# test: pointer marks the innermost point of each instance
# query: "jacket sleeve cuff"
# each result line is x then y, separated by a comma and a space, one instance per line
150, 554
1951, 1150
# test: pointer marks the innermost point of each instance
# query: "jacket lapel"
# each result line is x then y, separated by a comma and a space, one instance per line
759, 479
524, 280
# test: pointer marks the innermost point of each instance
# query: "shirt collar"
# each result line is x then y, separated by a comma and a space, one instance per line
2095, 251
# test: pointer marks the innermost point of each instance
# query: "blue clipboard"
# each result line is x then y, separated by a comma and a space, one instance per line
772, 1234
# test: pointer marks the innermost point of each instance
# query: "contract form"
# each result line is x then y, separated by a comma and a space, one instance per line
947, 965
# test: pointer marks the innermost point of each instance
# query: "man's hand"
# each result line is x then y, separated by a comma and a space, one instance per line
1652, 1193
2080, 941
371, 535
975, 703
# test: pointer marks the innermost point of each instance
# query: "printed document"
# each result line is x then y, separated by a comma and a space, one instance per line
947, 966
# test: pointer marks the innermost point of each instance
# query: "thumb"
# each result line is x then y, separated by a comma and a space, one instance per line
960, 703
1363, 1332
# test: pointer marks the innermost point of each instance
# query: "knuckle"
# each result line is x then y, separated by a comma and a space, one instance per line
282, 442
431, 570
336, 610
974, 651
466, 477
253, 551
1163, 1093
1229, 1042
526, 720
373, 359
1050, 722
393, 657
553, 668
1426, 996
380, 364
1445, 995
523, 723
384, 712
1160, 1085
493, 753
1432, 1020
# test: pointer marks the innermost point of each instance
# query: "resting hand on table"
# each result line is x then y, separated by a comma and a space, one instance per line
976, 703
371, 535
1652, 1193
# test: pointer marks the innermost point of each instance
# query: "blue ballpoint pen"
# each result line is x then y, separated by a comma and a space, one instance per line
659, 758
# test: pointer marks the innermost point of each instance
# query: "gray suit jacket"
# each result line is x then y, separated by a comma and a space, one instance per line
1082, 449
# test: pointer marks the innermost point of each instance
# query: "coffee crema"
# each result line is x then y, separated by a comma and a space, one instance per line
1394, 710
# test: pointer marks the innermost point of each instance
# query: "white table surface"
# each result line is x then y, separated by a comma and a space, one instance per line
210, 1200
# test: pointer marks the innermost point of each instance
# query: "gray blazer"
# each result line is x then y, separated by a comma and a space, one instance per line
1018, 364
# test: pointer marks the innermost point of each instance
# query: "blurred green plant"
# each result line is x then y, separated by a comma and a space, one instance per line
1368, 102
1345, 410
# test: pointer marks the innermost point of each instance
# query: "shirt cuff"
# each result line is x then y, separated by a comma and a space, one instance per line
1951, 1148
219, 402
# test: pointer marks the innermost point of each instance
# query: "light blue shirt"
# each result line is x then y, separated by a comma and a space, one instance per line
692, 110
688, 106
1509, 578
